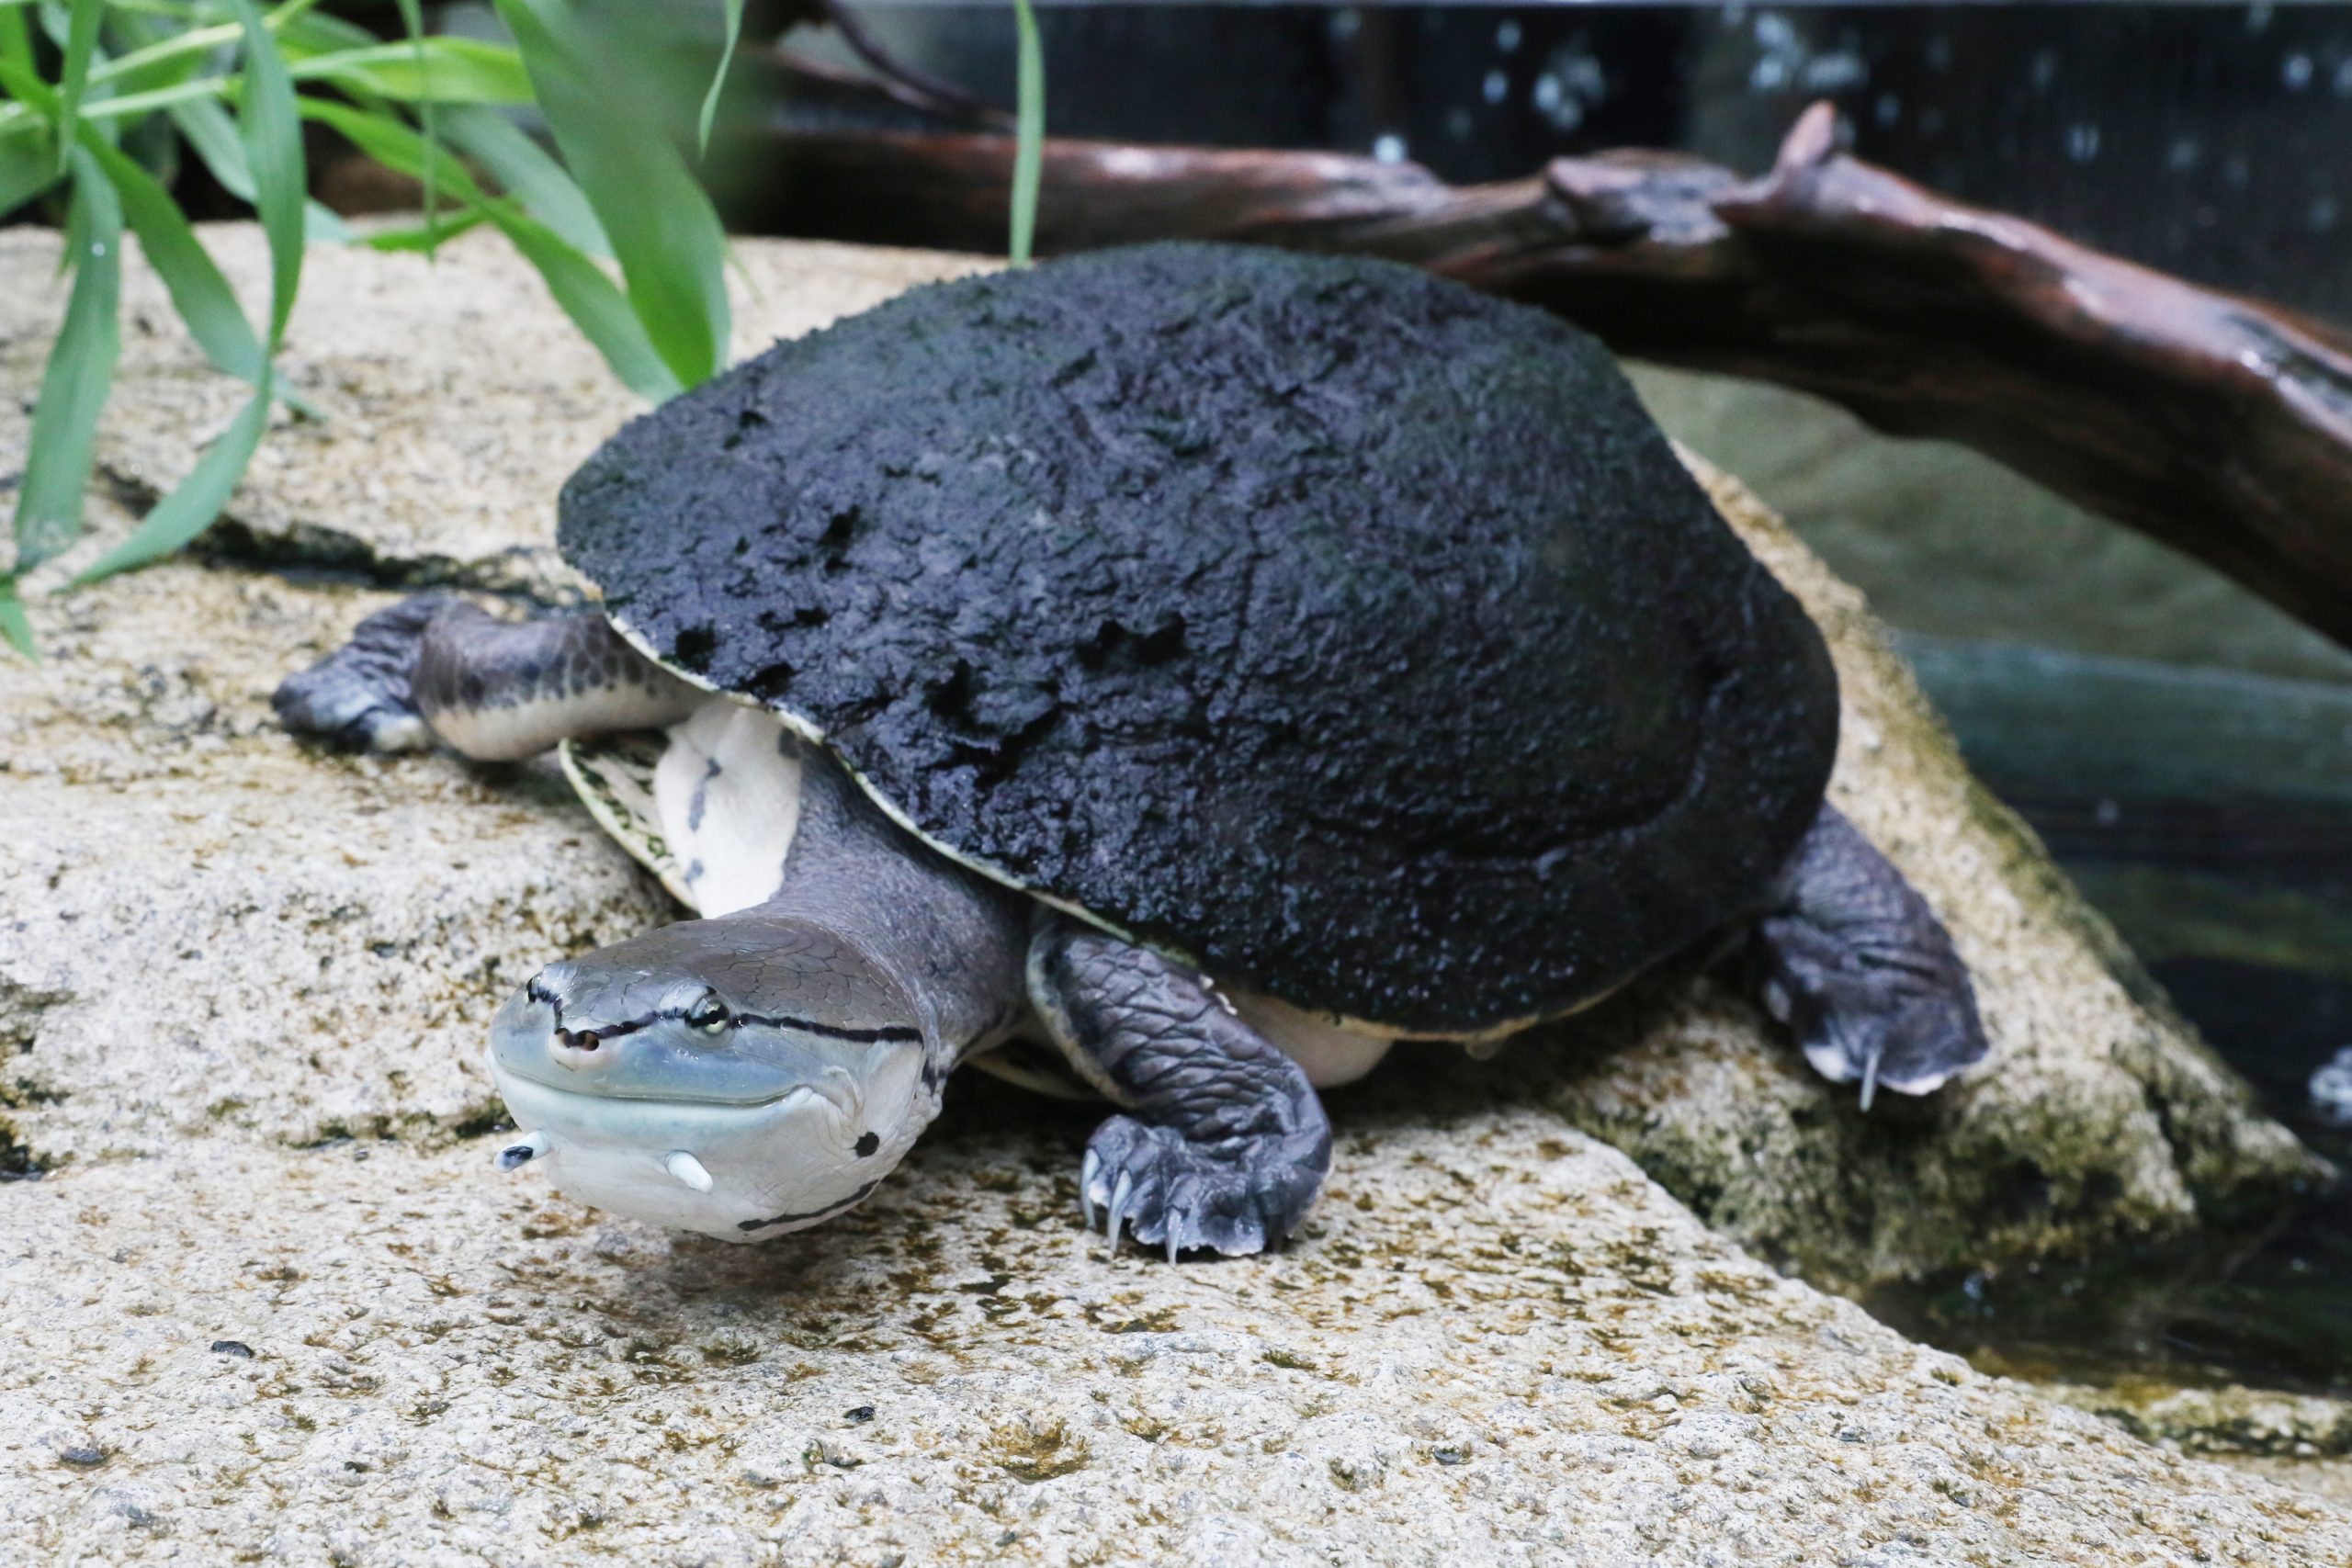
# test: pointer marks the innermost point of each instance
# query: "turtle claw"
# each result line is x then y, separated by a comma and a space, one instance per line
1857, 967
1119, 1196
1239, 1195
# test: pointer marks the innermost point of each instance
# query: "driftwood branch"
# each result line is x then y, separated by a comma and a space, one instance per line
2219, 425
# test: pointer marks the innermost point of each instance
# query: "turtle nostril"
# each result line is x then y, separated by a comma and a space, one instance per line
576, 1040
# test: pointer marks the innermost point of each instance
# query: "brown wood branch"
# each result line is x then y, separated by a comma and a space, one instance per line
2219, 425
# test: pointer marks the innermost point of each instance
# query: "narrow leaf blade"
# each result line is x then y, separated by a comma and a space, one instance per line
15, 630
447, 70
718, 77
81, 44
197, 500
207, 127
198, 292
79, 375
389, 140
413, 18
1029, 137
445, 226
663, 229
27, 167
525, 171
595, 304
273, 135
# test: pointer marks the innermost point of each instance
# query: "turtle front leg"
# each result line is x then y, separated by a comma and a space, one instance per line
1223, 1145
436, 667
1850, 958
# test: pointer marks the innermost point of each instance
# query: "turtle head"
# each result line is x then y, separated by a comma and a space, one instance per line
737, 1077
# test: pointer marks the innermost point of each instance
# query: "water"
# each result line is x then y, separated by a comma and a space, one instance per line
2230, 872
2269, 1306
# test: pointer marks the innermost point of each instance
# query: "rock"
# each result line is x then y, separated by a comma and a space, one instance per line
243, 986
275, 889
2231, 1419
2100, 1120
1500, 1343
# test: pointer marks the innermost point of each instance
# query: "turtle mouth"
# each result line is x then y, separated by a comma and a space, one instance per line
737, 1172
647, 1117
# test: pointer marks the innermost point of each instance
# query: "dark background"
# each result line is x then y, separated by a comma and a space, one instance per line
2211, 140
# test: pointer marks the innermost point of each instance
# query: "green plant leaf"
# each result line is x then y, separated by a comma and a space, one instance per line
74, 79
316, 33
446, 225
198, 292
1029, 134
80, 373
15, 41
323, 225
186, 43
208, 128
197, 500
445, 70
579, 287
595, 305
413, 18
524, 171
27, 167
718, 77
387, 138
15, 630
663, 230
273, 137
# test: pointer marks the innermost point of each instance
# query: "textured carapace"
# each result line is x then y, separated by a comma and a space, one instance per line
1349, 632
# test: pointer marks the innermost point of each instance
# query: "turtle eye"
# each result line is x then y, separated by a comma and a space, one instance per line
709, 1014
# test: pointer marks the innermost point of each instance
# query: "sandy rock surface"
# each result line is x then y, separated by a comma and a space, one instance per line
1500, 1343
243, 986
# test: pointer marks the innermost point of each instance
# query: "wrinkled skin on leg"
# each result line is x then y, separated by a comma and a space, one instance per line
1223, 1144
436, 667
1852, 959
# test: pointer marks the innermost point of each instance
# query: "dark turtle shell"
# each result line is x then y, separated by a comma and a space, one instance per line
1350, 633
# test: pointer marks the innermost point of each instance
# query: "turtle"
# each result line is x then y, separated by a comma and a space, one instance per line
1174, 673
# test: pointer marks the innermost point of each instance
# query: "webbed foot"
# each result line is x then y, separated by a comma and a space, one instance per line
359, 697
1225, 1144
1854, 962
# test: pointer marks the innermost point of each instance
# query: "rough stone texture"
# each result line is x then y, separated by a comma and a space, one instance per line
2231, 1419
1499, 1341
2099, 1119
203, 925
2100, 1116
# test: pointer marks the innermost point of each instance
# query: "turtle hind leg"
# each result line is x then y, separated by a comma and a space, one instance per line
1222, 1145
1852, 959
436, 667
